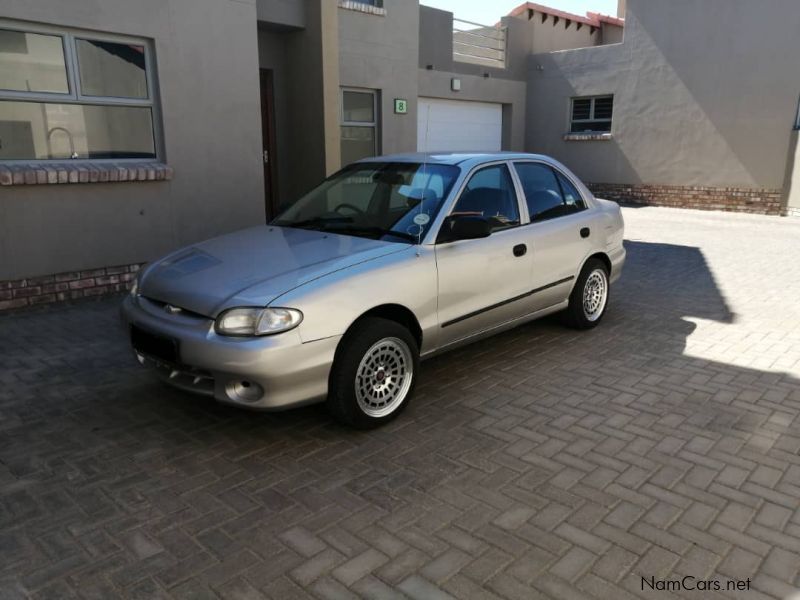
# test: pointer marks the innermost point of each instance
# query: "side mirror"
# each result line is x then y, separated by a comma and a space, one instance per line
466, 227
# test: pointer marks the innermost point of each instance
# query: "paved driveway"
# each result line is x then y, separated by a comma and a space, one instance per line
543, 463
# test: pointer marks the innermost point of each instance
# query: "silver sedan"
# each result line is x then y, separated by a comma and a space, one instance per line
389, 261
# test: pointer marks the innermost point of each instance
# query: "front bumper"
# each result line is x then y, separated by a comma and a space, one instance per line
269, 373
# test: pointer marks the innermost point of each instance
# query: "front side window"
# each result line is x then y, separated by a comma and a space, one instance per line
548, 194
394, 201
489, 193
591, 114
66, 95
359, 125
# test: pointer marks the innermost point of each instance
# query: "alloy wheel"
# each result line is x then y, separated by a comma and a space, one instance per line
595, 294
384, 377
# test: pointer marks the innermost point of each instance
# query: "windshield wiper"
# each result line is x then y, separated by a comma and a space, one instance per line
376, 231
313, 221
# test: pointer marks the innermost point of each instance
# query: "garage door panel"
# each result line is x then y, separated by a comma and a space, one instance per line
459, 125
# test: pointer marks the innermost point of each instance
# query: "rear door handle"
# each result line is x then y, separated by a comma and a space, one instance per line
520, 250
585, 232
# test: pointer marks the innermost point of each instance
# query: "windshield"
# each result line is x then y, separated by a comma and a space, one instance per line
391, 201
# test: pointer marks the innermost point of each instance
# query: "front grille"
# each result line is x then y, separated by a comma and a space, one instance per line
172, 309
187, 378
154, 345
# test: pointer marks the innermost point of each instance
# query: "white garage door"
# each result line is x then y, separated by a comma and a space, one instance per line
458, 125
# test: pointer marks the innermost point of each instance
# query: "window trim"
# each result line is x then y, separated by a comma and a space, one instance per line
69, 36
591, 118
374, 124
556, 171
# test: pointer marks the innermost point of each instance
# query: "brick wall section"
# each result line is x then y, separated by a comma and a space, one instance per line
51, 173
22, 293
749, 200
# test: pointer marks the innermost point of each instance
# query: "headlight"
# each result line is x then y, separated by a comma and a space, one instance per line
257, 321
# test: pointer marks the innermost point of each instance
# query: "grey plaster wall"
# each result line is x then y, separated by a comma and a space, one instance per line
312, 129
207, 63
612, 34
287, 13
791, 184
705, 93
382, 53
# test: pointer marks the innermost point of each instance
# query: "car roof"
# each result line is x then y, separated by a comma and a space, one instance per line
454, 158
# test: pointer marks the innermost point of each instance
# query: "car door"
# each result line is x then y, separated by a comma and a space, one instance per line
560, 231
482, 282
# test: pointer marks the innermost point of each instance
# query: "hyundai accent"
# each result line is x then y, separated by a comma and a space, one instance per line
391, 260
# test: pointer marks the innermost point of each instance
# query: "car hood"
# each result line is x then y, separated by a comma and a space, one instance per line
253, 266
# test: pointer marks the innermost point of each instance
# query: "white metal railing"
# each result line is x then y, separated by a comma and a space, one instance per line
479, 44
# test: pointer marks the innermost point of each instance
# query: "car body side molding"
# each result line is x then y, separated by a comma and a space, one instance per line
504, 302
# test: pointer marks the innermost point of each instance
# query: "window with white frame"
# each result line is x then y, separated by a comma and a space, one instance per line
359, 129
66, 94
591, 114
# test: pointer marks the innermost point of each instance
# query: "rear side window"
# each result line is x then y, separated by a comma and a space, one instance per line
572, 198
548, 194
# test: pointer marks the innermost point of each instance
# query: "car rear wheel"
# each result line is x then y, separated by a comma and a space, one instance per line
589, 298
373, 374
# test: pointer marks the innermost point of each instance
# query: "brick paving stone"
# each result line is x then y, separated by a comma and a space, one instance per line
356, 568
421, 589
531, 565
488, 564
615, 563
656, 562
573, 564
736, 516
740, 564
699, 563
542, 463
445, 565
317, 566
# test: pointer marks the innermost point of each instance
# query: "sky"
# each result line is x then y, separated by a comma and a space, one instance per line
490, 11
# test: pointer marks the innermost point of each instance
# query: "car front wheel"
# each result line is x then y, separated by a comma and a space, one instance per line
589, 298
373, 374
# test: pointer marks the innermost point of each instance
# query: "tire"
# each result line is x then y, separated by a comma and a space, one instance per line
593, 280
364, 388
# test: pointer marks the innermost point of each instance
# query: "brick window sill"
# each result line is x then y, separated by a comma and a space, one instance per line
587, 137
54, 173
362, 7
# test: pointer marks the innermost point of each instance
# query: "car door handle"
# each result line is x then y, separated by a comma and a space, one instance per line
585, 232
520, 250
